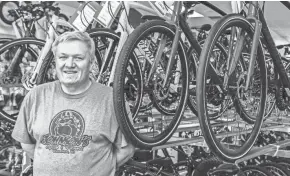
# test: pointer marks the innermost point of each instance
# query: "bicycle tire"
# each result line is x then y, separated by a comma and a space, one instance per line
205, 166
4, 40
101, 32
2, 16
6, 47
257, 169
216, 146
276, 169
282, 161
119, 102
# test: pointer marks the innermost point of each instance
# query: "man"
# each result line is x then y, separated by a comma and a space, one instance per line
69, 126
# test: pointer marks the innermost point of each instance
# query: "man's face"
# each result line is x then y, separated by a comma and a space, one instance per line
72, 62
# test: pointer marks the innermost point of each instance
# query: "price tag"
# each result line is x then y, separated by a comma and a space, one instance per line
162, 9
84, 18
109, 10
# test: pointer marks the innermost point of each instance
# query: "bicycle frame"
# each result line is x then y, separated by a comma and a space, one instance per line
45, 50
256, 16
124, 22
51, 37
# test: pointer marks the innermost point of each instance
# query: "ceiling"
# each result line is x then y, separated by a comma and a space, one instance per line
276, 14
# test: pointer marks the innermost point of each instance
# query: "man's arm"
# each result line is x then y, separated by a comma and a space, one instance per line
124, 154
29, 149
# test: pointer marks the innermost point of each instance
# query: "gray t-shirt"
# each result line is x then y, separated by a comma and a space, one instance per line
74, 134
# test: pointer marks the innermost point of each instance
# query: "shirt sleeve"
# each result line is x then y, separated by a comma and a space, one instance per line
22, 131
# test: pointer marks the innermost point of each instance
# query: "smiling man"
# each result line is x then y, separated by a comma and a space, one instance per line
69, 126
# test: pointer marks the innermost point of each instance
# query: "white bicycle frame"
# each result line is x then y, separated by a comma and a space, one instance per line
124, 22
124, 33
49, 41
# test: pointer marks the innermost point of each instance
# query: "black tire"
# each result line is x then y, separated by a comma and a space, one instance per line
24, 43
205, 166
276, 169
97, 35
214, 144
255, 170
281, 161
4, 14
127, 51
4, 40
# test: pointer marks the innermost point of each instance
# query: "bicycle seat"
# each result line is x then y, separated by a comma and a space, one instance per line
190, 3
225, 169
151, 17
162, 161
205, 27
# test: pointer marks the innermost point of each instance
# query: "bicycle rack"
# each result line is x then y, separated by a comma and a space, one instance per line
274, 123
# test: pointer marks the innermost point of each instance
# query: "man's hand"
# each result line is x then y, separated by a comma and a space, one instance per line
124, 154
29, 149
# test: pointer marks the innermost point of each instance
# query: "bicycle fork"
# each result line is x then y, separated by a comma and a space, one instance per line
171, 60
236, 54
31, 81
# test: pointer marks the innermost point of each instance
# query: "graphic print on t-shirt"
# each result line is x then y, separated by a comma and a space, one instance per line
66, 133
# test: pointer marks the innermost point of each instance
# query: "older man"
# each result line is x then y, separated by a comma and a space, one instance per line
69, 126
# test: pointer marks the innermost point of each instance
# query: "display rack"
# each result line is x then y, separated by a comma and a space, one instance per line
274, 123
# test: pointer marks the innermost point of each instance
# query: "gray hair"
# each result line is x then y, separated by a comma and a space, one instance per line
76, 36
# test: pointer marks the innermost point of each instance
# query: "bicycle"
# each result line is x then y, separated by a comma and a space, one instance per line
276, 169
39, 68
164, 77
243, 82
161, 165
228, 170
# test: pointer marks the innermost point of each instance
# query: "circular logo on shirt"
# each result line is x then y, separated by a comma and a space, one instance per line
66, 133
67, 123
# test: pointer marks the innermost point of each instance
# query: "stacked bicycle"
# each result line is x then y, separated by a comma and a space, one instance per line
231, 84
155, 76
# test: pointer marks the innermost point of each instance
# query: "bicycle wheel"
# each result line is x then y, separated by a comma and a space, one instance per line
5, 11
4, 40
276, 169
205, 166
230, 96
105, 40
18, 58
156, 125
7, 159
255, 170
281, 161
